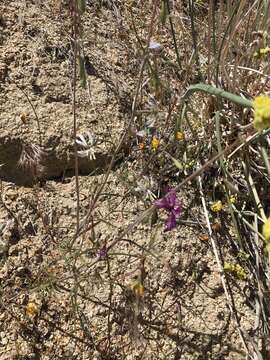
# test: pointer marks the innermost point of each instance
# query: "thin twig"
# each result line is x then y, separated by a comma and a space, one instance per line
75, 16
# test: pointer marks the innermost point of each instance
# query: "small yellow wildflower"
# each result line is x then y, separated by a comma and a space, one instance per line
264, 51
243, 255
189, 164
232, 199
240, 272
155, 143
217, 206
180, 136
261, 53
236, 270
261, 106
138, 289
31, 309
266, 230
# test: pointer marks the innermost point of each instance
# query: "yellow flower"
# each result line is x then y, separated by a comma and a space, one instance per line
235, 270
180, 136
217, 206
155, 143
138, 289
31, 309
261, 53
240, 272
261, 106
189, 164
264, 51
232, 199
266, 230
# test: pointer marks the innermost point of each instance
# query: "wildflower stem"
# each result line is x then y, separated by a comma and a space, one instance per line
194, 38
218, 60
251, 183
173, 35
211, 36
265, 158
74, 14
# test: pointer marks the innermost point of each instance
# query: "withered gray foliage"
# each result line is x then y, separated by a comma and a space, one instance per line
31, 159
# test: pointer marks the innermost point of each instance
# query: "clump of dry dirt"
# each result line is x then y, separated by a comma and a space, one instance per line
85, 303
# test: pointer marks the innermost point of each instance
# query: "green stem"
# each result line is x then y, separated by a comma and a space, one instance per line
173, 35
194, 38
223, 41
265, 158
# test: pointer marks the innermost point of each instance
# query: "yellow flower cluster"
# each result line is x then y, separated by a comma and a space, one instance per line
155, 143
217, 206
31, 309
180, 136
261, 106
263, 52
138, 289
236, 270
266, 233
189, 164
232, 199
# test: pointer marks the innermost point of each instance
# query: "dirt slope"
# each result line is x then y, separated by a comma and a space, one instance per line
88, 310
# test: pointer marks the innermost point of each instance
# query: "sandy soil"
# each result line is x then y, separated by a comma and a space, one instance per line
87, 308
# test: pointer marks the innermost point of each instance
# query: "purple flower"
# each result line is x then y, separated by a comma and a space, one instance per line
172, 205
102, 253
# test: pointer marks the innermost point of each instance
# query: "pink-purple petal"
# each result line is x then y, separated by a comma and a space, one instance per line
171, 198
172, 205
170, 222
177, 211
161, 203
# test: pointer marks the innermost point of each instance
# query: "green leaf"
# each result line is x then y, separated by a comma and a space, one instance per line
211, 90
177, 163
